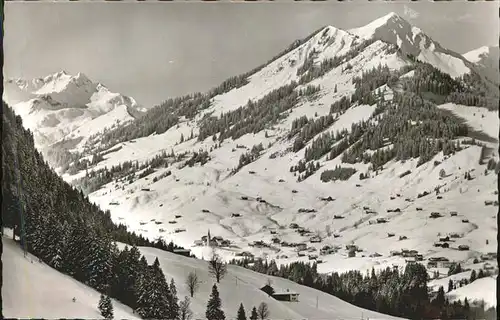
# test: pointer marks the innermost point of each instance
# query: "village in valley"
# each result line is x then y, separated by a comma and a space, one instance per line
352, 175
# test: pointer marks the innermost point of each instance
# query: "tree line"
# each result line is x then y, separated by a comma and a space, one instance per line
126, 171
167, 114
253, 117
339, 173
411, 127
309, 71
63, 229
390, 291
305, 129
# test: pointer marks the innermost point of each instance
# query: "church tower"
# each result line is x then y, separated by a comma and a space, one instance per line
208, 238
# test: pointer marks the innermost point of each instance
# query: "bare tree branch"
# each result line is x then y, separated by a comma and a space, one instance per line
185, 312
193, 283
263, 311
216, 267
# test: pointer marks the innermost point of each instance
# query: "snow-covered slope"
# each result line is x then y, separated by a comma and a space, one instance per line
482, 53
412, 40
327, 43
480, 290
486, 59
28, 291
61, 106
480, 119
243, 286
483, 289
31, 289
188, 191
262, 200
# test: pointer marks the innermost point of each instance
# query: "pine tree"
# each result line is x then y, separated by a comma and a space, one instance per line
133, 271
241, 313
440, 297
105, 306
480, 274
153, 293
450, 285
214, 311
174, 301
254, 315
98, 263
473, 276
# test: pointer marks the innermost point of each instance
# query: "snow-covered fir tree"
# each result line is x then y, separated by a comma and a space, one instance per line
241, 313
153, 294
173, 301
105, 306
214, 306
254, 315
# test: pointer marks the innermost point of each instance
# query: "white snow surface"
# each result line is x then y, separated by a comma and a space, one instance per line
327, 43
31, 289
476, 55
209, 187
481, 289
480, 119
189, 190
486, 60
241, 285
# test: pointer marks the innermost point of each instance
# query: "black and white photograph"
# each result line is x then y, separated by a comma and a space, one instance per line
260, 160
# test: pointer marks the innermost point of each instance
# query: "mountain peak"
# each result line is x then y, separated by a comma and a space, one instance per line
82, 76
485, 59
412, 41
391, 16
475, 55
390, 21
58, 75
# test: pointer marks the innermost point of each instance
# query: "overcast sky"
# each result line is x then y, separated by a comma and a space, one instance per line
152, 51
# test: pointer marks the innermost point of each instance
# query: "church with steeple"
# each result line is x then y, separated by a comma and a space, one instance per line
209, 239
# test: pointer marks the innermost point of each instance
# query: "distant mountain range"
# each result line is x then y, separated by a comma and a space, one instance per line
368, 136
374, 147
61, 106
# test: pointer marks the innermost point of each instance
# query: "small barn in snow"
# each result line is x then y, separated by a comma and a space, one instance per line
286, 296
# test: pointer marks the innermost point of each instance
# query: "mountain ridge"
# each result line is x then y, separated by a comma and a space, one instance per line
351, 81
59, 106
486, 58
311, 157
412, 40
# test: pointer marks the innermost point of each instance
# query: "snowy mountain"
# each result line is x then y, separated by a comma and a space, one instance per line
482, 53
486, 59
412, 40
65, 107
344, 149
